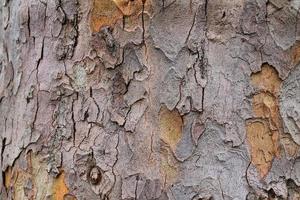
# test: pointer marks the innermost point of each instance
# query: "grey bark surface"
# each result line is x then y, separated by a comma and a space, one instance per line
150, 99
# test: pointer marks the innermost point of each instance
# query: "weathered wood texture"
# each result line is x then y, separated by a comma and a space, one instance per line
150, 99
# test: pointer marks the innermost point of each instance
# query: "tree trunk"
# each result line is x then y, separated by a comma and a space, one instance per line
149, 99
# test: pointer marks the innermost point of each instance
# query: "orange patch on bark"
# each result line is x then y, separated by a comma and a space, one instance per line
290, 147
264, 131
104, 13
170, 125
8, 177
168, 169
129, 7
295, 53
59, 187
264, 145
170, 128
108, 12
265, 106
267, 79
41, 184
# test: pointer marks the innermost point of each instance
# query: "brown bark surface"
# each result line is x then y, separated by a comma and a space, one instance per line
149, 99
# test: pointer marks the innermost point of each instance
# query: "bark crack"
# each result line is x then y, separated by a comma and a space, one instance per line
2, 150
200, 66
143, 21
38, 89
136, 187
222, 193
28, 21
193, 24
202, 99
113, 166
97, 105
73, 119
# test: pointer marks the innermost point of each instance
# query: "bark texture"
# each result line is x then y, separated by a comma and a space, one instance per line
149, 99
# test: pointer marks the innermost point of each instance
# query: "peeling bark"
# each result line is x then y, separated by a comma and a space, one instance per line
149, 99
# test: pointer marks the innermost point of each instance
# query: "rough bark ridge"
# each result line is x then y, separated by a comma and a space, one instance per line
150, 99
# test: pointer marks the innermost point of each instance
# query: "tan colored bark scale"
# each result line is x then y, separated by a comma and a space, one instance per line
264, 131
170, 125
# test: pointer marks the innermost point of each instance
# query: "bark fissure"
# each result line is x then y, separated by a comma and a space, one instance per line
143, 21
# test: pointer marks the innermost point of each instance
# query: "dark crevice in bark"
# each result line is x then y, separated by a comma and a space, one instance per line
7, 21
75, 25
246, 175
202, 99
151, 145
143, 21
28, 21
86, 136
205, 10
98, 107
6, 51
38, 87
203, 63
194, 66
91, 92
2, 149
45, 16
39, 61
3, 181
124, 22
73, 119
86, 115
35, 115
204, 46
193, 23
136, 186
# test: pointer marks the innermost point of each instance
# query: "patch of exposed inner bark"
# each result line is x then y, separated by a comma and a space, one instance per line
267, 80
104, 13
108, 12
290, 146
263, 143
35, 182
264, 131
170, 124
168, 169
295, 53
129, 7
7, 177
59, 187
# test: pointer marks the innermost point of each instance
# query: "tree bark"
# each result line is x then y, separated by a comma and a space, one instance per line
149, 99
